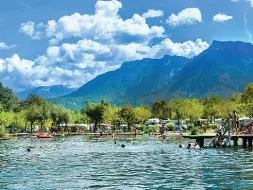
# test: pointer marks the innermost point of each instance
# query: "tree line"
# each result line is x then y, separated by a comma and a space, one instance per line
16, 114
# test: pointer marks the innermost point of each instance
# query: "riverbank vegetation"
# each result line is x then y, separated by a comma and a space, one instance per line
23, 116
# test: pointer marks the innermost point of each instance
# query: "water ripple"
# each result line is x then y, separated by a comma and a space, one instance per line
83, 163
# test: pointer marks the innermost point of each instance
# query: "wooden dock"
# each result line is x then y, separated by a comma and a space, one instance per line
200, 139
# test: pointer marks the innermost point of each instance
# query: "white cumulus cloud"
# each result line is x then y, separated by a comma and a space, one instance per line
104, 25
186, 49
101, 42
32, 30
222, 17
5, 46
153, 13
251, 2
187, 16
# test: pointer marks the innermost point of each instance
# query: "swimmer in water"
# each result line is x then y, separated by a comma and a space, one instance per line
123, 146
28, 150
196, 146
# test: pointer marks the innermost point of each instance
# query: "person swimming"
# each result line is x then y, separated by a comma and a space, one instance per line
28, 149
196, 146
123, 146
192, 146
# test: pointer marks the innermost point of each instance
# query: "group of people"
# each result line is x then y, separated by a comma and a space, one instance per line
246, 129
240, 128
190, 146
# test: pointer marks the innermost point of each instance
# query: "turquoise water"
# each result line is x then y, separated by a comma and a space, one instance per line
82, 163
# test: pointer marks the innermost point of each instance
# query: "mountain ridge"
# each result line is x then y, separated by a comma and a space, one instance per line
222, 69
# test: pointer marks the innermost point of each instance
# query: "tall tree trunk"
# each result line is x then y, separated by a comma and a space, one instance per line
65, 128
178, 120
58, 127
31, 127
41, 125
95, 127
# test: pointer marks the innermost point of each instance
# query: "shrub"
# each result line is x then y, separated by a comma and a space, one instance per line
171, 127
205, 127
194, 131
214, 126
143, 127
151, 129
2, 132
190, 127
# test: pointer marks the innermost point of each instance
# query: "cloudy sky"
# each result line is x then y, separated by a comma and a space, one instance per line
50, 42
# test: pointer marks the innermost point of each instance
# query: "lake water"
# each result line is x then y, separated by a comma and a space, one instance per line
83, 163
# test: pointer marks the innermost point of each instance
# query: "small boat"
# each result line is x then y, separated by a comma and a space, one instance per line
44, 136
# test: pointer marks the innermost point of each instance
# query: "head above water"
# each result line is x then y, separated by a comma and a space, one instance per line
123, 146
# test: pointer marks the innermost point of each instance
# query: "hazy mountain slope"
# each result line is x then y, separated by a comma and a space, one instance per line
46, 92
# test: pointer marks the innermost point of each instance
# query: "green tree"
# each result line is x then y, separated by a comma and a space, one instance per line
59, 116
248, 109
32, 115
78, 118
111, 115
8, 100
162, 109
1, 108
236, 98
194, 108
179, 108
95, 112
66, 118
6, 119
18, 121
33, 99
212, 107
247, 100
227, 107
43, 114
247, 95
128, 115
142, 114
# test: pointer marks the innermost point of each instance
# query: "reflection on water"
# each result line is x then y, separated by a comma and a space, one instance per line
93, 163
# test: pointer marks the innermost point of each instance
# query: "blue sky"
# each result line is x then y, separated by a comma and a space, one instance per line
49, 42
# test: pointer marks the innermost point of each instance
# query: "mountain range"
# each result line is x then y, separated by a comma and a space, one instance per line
133, 79
223, 69
46, 92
